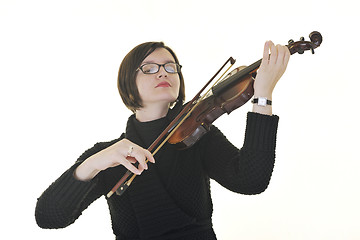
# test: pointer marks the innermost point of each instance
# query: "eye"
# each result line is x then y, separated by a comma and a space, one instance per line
170, 67
149, 68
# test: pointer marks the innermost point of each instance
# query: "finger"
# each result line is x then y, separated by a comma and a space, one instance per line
266, 55
139, 155
281, 53
131, 159
274, 53
287, 55
131, 167
149, 156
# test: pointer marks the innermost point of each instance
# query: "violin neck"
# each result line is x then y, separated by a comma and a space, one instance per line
234, 79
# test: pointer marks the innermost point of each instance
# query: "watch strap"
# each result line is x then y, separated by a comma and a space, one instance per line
262, 101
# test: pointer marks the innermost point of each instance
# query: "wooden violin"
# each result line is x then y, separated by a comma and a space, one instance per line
229, 95
198, 114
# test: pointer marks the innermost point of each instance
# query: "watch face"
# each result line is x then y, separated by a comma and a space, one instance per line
262, 101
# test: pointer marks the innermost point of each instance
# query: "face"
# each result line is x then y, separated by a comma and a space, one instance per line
161, 87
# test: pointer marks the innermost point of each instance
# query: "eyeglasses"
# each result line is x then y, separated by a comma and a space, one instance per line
152, 68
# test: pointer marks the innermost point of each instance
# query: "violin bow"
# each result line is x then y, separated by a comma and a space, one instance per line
121, 185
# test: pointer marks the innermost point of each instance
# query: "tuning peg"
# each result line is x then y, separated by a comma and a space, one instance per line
302, 39
290, 41
312, 50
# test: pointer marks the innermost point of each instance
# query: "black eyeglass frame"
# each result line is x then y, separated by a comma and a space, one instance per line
178, 67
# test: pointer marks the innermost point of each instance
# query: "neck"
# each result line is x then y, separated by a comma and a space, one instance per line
152, 112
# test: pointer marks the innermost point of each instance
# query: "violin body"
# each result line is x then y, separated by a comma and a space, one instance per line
211, 108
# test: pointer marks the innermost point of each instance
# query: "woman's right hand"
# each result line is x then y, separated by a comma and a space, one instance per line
123, 153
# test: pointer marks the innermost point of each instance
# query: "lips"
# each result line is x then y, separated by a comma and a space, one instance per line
163, 84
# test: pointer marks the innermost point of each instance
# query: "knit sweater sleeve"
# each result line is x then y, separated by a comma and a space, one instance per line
247, 170
66, 198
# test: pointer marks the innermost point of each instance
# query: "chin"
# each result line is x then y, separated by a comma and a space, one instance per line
168, 98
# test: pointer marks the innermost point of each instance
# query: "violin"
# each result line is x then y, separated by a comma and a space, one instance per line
195, 119
229, 95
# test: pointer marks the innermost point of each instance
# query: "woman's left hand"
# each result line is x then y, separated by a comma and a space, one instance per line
273, 66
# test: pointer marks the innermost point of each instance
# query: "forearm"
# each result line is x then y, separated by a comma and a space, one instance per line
64, 200
62, 203
86, 171
248, 170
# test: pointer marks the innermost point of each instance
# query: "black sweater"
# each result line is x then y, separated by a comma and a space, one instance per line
171, 200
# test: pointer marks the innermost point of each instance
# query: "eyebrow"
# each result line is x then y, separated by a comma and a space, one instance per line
167, 61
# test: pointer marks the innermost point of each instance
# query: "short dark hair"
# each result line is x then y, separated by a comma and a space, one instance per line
128, 71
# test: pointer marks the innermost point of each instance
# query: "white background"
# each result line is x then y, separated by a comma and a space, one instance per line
58, 96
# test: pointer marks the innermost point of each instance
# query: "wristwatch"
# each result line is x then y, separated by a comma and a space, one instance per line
262, 101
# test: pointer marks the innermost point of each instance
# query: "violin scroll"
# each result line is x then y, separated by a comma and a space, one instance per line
315, 38
302, 45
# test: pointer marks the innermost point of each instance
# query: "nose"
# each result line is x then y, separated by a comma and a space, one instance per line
162, 72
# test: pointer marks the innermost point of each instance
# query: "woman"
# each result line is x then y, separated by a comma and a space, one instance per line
171, 199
